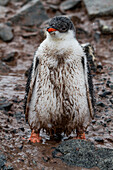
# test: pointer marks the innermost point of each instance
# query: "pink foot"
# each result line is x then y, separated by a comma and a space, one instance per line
80, 136
34, 137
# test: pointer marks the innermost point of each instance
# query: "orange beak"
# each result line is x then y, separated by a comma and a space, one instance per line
51, 29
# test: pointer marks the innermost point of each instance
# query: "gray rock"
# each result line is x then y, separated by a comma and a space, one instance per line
2, 164
111, 86
82, 153
10, 57
69, 4
97, 36
99, 8
99, 65
3, 11
105, 93
100, 104
32, 13
5, 105
2, 160
108, 83
4, 68
4, 2
10, 168
6, 33
98, 139
111, 100
106, 27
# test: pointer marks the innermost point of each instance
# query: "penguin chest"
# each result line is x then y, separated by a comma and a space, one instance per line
59, 88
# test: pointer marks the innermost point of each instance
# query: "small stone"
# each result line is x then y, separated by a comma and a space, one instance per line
100, 104
14, 131
22, 129
108, 120
33, 13
18, 115
20, 147
6, 33
10, 57
2, 163
4, 68
3, 11
105, 93
111, 100
107, 83
93, 121
97, 36
111, 106
98, 139
45, 159
69, 4
99, 65
5, 105
10, 168
106, 27
4, 2
111, 86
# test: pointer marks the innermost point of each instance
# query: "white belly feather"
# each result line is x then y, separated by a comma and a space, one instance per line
59, 90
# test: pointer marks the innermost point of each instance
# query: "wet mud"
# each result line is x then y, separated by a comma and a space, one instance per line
16, 152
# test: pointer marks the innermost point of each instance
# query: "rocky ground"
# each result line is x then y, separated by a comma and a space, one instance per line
21, 31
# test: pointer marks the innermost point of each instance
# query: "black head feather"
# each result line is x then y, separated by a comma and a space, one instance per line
62, 24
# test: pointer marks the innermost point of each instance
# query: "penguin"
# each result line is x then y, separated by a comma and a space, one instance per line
59, 95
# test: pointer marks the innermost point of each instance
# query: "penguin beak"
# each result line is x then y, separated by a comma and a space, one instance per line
50, 29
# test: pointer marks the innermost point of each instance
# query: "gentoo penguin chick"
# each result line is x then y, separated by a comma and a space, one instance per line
59, 93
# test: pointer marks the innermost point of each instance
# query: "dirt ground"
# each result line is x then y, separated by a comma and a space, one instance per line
14, 131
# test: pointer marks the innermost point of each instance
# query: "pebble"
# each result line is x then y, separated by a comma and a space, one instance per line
22, 129
45, 159
3, 11
2, 161
108, 83
99, 65
6, 33
108, 120
111, 86
93, 121
10, 57
97, 36
14, 131
4, 68
5, 105
105, 93
2, 164
106, 27
100, 104
18, 115
98, 139
69, 4
9, 168
111, 100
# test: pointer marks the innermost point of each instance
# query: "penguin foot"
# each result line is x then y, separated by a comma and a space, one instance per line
80, 136
34, 137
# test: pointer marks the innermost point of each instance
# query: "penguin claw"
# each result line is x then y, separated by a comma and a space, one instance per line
80, 136
35, 138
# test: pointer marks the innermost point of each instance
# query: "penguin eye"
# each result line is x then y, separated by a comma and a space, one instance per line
63, 29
